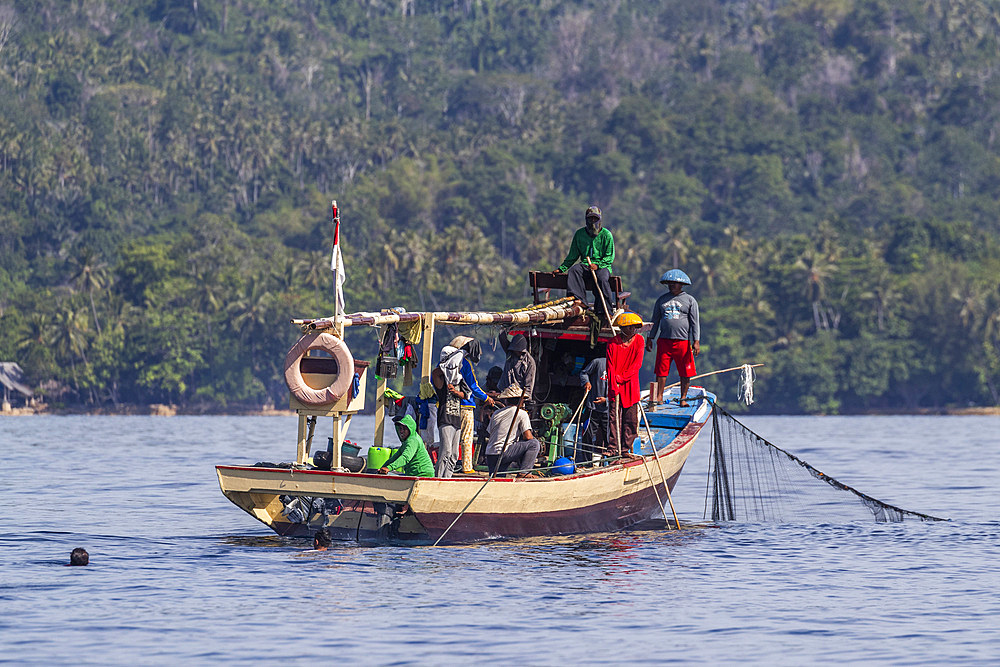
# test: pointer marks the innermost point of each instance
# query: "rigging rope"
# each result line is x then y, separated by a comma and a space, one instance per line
746, 384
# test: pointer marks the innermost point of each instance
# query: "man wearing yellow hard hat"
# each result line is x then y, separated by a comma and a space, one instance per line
625, 353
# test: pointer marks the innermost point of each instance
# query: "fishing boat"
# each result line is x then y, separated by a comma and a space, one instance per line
354, 503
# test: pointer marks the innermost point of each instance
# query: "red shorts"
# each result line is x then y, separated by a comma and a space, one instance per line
678, 351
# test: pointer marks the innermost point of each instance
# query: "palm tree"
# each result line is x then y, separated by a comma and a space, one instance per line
34, 342
678, 244
89, 274
69, 339
314, 272
882, 292
250, 311
814, 269
737, 242
709, 262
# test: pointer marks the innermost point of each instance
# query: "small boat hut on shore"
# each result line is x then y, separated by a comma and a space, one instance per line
12, 379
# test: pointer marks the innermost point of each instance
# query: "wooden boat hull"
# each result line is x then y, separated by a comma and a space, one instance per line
593, 500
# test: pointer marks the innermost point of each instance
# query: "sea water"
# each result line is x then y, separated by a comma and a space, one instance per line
178, 574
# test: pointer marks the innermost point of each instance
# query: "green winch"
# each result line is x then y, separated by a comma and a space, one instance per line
555, 414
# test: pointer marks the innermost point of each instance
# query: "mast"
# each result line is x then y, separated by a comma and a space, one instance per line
336, 266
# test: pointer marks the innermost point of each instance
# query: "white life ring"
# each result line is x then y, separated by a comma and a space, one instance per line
337, 349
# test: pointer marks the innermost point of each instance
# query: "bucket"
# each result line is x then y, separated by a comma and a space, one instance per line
347, 448
350, 449
377, 456
568, 436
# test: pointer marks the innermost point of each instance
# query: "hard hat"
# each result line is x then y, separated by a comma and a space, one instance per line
627, 320
675, 276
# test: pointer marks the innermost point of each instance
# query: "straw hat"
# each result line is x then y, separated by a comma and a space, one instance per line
458, 341
512, 391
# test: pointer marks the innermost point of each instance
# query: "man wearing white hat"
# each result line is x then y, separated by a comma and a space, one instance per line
470, 357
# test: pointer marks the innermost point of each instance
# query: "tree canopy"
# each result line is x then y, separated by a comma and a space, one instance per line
828, 173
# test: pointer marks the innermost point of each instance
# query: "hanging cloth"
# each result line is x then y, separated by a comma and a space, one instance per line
451, 364
411, 331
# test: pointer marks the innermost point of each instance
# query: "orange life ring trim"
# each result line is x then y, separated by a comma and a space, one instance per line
337, 349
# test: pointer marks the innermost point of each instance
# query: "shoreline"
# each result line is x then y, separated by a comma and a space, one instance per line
162, 410
154, 410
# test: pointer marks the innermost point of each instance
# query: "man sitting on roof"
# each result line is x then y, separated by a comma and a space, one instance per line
594, 247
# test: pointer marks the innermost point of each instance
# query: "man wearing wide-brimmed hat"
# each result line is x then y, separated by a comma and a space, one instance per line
677, 332
470, 357
522, 446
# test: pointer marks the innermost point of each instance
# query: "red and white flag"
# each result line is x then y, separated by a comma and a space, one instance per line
337, 261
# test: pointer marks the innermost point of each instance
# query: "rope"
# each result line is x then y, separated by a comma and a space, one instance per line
656, 455
538, 306
493, 474
746, 384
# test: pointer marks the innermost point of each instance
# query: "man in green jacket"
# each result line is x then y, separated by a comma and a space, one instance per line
412, 458
594, 246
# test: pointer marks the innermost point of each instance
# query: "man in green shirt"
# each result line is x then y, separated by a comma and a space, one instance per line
412, 458
594, 247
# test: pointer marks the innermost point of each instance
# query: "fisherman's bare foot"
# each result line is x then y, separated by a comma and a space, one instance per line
685, 404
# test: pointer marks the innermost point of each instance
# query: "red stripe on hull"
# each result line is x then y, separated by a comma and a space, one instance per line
601, 517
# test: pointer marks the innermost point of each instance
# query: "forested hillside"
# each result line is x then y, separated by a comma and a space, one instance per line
828, 172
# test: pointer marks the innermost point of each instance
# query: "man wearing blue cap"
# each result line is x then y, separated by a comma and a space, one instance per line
594, 246
675, 318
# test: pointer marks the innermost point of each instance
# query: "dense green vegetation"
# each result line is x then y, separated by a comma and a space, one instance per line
827, 172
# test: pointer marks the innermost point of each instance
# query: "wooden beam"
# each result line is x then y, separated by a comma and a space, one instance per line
379, 411
542, 313
300, 456
427, 351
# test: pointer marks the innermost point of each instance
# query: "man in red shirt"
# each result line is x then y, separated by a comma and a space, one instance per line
624, 361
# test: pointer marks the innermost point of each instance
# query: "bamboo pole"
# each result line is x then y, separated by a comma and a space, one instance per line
576, 432
600, 293
656, 455
619, 416
493, 474
705, 375
528, 316
653, 484
426, 350
579, 407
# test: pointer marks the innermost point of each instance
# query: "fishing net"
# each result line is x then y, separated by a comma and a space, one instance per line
752, 480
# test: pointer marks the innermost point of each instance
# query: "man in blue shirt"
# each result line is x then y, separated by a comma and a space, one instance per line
594, 378
471, 353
